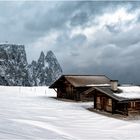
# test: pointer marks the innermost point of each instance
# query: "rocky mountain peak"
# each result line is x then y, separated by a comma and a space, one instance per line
13, 64
41, 58
14, 69
54, 67
46, 70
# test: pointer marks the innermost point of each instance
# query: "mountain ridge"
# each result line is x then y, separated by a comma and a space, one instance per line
15, 70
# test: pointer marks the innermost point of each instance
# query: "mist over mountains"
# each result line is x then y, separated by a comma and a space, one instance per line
15, 70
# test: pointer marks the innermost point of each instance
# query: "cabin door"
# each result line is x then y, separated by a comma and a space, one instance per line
103, 103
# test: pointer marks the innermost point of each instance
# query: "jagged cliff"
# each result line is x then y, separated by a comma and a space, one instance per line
46, 70
15, 71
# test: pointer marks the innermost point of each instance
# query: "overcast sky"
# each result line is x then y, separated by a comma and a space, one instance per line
86, 37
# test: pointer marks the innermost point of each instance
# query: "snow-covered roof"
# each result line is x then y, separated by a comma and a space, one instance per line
82, 80
129, 92
124, 93
93, 85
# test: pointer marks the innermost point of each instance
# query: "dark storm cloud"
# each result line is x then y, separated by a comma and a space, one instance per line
87, 37
127, 39
79, 19
34, 19
52, 19
78, 40
77, 13
112, 28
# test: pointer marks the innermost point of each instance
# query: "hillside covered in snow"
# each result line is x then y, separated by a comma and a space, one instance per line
34, 113
15, 70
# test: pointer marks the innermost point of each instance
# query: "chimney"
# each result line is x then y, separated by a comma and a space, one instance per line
114, 85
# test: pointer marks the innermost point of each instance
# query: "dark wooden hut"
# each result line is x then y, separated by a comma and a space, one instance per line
78, 87
124, 100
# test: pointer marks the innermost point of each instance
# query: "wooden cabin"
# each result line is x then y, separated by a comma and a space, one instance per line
124, 100
78, 87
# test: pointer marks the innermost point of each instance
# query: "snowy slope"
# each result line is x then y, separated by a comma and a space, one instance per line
31, 113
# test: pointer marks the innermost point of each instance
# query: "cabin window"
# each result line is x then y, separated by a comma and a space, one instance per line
109, 102
98, 99
133, 104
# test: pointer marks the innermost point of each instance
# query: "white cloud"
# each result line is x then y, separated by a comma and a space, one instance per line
120, 19
120, 15
44, 43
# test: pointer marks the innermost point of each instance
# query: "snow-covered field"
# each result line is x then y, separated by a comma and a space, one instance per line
31, 113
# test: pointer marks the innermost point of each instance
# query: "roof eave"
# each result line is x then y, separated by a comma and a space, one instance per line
111, 96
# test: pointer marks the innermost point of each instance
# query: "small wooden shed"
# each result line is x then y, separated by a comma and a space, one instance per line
125, 100
78, 87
